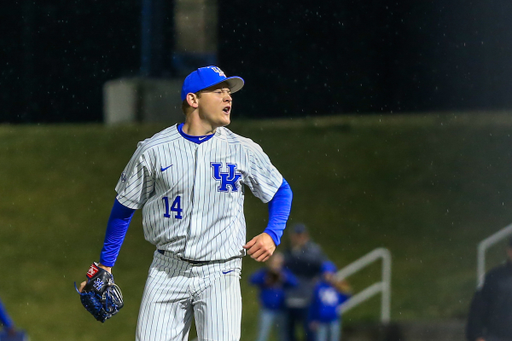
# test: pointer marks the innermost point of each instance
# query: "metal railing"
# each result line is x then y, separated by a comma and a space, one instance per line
384, 286
482, 248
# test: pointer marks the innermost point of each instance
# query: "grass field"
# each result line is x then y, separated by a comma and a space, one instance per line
427, 187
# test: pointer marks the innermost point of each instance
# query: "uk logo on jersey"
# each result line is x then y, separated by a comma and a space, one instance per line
329, 296
227, 179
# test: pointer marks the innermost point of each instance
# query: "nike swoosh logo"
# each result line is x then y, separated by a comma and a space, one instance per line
202, 138
164, 169
226, 272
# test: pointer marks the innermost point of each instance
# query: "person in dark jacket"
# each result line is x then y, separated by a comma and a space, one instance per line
304, 259
490, 314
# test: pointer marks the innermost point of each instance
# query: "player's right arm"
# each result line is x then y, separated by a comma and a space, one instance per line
133, 188
135, 183
117, 226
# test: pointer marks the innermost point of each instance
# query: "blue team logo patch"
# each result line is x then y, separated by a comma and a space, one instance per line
98, 284
227, 179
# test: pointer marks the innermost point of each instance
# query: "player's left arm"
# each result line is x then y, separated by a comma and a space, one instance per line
261, 247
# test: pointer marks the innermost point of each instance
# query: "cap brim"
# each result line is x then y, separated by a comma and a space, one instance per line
235, 83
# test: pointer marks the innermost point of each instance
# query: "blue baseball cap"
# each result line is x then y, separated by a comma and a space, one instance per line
208, 76
299, 228
328, 266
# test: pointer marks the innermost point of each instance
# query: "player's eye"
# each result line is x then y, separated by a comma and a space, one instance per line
221, 92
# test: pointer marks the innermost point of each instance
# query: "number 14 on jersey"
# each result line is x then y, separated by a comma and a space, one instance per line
174, 207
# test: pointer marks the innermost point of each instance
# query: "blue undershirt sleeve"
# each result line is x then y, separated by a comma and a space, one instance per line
117, 226
278, 212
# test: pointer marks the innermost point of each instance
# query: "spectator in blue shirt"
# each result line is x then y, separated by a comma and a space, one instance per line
325, 310
271, 281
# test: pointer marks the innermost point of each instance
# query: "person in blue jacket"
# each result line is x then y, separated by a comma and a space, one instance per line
6, 321
271, 281
325, 309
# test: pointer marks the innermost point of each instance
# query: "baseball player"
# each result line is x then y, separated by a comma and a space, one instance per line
189, 180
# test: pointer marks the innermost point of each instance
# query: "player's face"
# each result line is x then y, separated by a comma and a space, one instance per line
215, 105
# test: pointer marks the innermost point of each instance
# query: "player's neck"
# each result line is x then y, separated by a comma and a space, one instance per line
196, 127
194, 130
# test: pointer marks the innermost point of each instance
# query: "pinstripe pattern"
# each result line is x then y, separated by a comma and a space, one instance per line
187, 212
213, 223
176, 291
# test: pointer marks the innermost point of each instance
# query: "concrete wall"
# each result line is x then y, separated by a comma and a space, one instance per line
142, 100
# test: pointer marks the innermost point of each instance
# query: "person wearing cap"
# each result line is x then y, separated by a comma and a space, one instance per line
304, 259
271, 282
325, 309
189, 181
490, 314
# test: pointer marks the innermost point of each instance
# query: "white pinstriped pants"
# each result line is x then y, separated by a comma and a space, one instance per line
176, 291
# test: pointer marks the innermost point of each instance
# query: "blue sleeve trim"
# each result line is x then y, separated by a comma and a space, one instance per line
117, 226
278, 212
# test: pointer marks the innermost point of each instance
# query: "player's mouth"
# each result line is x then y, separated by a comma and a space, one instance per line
227, 109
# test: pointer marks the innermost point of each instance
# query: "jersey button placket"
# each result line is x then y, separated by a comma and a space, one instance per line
190, 248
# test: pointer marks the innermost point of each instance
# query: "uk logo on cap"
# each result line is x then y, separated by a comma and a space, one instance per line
218, 70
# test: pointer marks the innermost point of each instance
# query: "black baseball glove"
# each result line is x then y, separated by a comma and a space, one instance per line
100, 295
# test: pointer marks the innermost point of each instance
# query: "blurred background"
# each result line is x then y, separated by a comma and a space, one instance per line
299, 58
391, 121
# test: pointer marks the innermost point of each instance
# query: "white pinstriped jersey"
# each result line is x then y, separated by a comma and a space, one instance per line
192, 195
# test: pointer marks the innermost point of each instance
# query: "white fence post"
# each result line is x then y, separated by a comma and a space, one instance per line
383, 287
482, 248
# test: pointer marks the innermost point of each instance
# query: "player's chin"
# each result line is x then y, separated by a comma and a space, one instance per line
225, 120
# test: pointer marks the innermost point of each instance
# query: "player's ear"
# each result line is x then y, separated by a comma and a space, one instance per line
192, 100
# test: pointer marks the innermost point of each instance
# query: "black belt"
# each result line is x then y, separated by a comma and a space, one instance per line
195, 262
